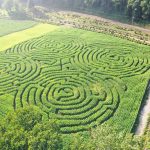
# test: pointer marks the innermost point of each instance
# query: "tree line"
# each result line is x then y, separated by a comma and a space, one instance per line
136, 10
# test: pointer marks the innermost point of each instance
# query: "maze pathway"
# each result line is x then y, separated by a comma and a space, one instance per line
79, 82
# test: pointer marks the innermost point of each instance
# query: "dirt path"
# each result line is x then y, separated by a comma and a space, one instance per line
147, 31
144, 115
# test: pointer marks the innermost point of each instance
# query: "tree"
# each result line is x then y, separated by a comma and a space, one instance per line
45, 136
137, 11
106, 138
24, 129
145, 5
120, 5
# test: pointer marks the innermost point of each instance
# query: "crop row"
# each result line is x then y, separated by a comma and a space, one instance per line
79, 82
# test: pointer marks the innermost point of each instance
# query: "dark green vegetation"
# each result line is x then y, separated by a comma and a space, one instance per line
25, 129
10, 26
81, 78
135, 10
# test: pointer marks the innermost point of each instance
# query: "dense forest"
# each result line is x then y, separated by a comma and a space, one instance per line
136, 10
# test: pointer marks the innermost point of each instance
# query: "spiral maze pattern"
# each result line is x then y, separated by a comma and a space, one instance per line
77, 82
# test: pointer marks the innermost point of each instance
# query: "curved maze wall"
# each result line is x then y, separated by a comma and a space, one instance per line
78, 82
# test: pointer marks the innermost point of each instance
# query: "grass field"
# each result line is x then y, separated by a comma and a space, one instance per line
9, 26
17, 37
80, 77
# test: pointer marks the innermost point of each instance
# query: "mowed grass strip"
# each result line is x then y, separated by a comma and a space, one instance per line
8, 26
17, 37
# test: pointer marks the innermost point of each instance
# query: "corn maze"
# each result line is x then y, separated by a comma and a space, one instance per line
80, 82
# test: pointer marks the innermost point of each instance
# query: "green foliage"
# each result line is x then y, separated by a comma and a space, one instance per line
145, 5
17, 8
45, 136
135, 9
24, 129
146, 136
106, 138
81, 78
3, 13
28, 118
8, 26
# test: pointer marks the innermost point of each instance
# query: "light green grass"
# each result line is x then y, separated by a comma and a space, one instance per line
82, 78
9, 26
17, 37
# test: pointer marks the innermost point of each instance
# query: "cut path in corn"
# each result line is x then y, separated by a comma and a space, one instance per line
17, 37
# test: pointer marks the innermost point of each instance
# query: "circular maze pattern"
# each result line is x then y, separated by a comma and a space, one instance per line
78, 82
109, 61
